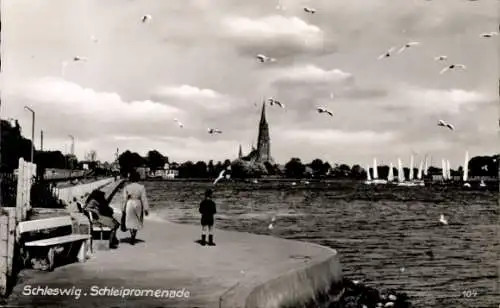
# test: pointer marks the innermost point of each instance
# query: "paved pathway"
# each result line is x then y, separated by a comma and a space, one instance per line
169, 258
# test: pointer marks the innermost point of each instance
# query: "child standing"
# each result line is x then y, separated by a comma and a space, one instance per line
207, 210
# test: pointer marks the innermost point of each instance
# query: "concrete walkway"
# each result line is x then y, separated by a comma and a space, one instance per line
243, 270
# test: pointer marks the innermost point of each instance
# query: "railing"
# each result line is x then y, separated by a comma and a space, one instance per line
62, 174
78, 191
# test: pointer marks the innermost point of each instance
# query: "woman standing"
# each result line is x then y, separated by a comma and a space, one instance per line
135, 205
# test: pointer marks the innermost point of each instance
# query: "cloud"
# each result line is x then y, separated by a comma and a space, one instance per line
326, 136
73, 99
187, 92
65, 106
190, 97
311, 74
437, 101
279, 35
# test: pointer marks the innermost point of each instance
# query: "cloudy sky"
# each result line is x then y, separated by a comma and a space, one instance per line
195, 61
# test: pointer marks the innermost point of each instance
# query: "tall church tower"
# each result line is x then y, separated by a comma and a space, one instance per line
263, 141
240, 153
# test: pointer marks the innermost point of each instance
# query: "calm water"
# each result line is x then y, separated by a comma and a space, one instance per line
377, 231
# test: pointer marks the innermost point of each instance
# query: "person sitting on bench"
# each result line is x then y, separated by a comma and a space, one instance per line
97, 204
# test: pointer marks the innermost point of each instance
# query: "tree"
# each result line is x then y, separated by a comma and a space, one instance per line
211, 169
186, 169
129, 161
240, 169
13, 146
155, 160
200, 170
294, 168
318, 168
357, 172
218, 167
270, 168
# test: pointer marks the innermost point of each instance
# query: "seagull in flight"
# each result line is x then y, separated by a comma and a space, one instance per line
181, 125
441, 58
77, 58
273, 102
263, 58
309, 10
408, 45
453, 66
220, 177
489, 34
213, 131
445, 124
146, 18
387, 54
324, 110
443, 220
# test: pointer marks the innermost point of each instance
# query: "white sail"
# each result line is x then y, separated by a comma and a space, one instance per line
390, 176
426, 167
420, 170
411, 169
448, 170
401, 173
466, 167
368, 176
443, 169
375, 169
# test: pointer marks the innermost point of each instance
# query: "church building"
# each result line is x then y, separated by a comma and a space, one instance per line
262, 153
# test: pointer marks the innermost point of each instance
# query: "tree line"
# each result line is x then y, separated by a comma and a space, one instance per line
294, 168
14, 146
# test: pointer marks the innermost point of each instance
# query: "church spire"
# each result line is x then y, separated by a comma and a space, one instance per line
263, 142
240, 152
263, 113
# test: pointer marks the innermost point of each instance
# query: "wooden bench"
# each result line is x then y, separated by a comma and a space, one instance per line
96, 227
51, 237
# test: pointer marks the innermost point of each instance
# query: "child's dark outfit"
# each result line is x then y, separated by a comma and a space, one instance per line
207, 211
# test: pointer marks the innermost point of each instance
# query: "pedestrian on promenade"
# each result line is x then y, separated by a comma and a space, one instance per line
98, 205
207, 210
135, 206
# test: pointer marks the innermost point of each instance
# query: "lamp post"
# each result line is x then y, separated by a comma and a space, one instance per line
32, 130
72, 153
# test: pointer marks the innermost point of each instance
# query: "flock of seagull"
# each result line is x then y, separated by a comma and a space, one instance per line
389, 53
320, 109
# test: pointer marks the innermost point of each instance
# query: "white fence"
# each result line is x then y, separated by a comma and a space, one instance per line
9, 217
26, 175
79, 191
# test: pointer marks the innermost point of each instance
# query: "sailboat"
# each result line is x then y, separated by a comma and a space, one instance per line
419, 181
368, 177
465, 177
390, 175
376, 180
448, 170
401, 176
443, 170
426, 167
401, 172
